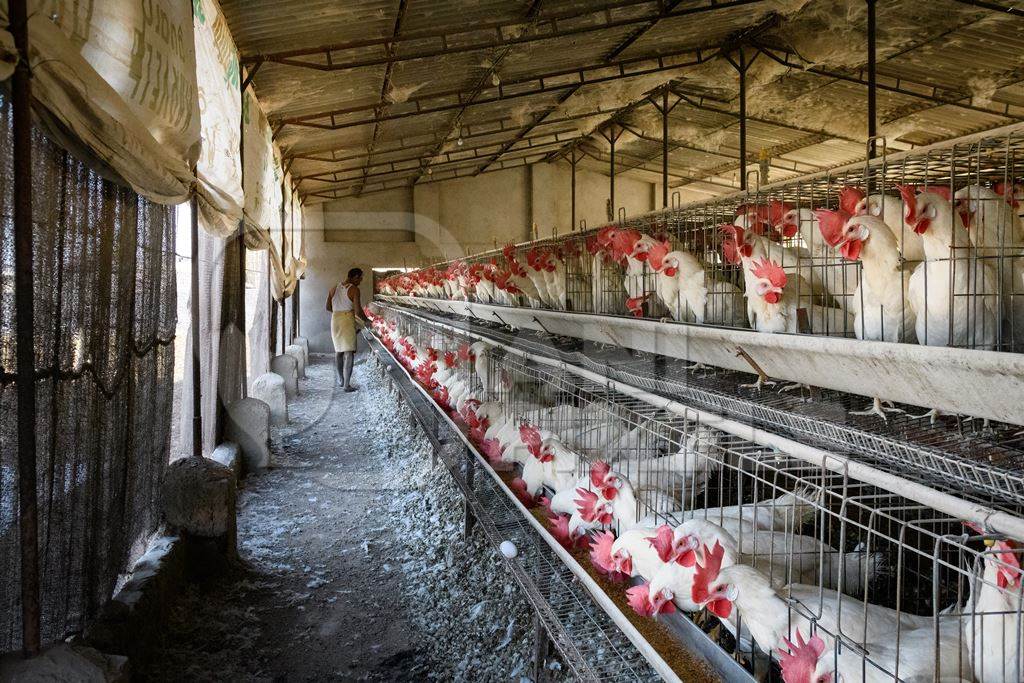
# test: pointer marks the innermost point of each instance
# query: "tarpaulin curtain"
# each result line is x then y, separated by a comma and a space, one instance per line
104, 331
115, 82
219, 169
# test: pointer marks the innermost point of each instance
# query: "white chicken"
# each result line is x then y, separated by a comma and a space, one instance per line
521, 278
892, 210
997, 234
685, 288
991, 617
881, 311
774, 308
772, 621
969, 319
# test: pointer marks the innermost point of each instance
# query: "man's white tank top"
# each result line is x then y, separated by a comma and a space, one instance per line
341, 302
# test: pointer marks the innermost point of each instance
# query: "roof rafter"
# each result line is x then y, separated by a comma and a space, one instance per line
794, 166
888, 83
507, 34
555, 81
667, 9
385, 86
464, 151
496, 60
469, 160
737, 39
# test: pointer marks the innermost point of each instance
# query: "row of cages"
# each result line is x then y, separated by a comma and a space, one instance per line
921, 248
803, 573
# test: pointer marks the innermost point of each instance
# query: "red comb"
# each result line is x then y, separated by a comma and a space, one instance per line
599, 471
587, 505
450, 359
662, 542
656, 254
942, 190
849, 197
800, 662
831, 224
707, 572
601, 553
769, 270
639, 598
909, 195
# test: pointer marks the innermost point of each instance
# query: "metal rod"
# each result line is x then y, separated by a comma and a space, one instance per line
28, 514
241, 233
611, 183
664, 149
872, 83
572, 218
197, 408
743, 120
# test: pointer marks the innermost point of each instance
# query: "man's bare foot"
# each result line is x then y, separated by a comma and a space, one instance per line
351, 388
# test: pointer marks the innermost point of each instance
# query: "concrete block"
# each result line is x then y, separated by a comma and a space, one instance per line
199, 498
304, 343
248, 425
229, 455
270, 388
295, 351
65, 662
288, 368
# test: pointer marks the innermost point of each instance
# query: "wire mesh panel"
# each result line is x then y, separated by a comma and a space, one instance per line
104, 301
921, 247
783, 563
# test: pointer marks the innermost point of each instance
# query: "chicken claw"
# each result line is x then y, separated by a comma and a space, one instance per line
878, 409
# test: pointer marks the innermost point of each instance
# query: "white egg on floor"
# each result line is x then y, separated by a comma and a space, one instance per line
508, 549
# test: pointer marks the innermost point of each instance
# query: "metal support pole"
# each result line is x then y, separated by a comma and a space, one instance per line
611, 189
572, 219
743, 120
197, 408
241, 244
28, 513
872, 83
664, 149
295, 311
284, 310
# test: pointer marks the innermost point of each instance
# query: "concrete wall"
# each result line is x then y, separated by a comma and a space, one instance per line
446, 220
552, 197
329, 263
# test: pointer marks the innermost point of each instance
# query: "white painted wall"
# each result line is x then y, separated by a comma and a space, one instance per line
552, 197
449, 219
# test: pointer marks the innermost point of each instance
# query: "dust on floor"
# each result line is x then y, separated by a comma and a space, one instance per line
353, 563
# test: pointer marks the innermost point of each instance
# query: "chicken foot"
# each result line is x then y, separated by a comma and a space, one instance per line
878, 409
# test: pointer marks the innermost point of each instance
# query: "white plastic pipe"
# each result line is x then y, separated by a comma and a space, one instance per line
986, 517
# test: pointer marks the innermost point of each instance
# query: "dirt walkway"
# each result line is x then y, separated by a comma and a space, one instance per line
353, 568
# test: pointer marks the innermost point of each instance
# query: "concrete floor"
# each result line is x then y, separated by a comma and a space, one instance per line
311, 601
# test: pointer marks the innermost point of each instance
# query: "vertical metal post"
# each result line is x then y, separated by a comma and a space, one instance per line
28, 513
572, 218
241, 241
295, 310
284, 341
197, 408
872, 83
664, 149
742, 68
611, 188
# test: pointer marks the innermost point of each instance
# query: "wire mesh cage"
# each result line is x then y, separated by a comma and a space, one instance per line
919, 247
783, 562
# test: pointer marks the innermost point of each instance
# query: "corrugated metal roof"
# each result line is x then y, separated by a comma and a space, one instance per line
459, 67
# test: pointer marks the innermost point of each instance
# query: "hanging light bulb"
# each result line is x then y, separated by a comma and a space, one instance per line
495, 79
459, 141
